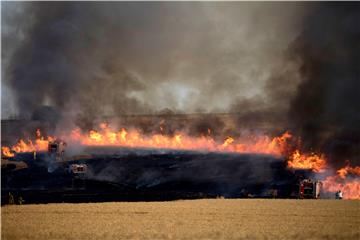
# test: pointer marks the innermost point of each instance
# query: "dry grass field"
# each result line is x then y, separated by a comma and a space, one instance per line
196, 219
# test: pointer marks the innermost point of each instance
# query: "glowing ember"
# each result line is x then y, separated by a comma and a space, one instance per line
347, 180
304, 161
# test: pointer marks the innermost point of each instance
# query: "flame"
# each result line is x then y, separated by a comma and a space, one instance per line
228, 141
40, 144
305, 161
343, 172
347, 180
7, 152
106, 136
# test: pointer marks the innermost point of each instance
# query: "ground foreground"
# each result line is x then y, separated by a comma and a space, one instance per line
193, 219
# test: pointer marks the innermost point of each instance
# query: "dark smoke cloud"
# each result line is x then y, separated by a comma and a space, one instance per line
95, 59
326, 108
64, 64
288, 65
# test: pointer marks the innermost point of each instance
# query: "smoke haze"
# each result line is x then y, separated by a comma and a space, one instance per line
325, 110
294, 61
123, 58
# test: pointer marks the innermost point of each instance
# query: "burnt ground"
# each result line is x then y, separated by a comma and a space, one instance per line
122, 174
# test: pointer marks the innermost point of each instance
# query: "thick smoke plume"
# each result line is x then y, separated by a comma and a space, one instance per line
100, 59
326, 108
293, 66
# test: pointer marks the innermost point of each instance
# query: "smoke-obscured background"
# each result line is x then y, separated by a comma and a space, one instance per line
295, 63
121, 58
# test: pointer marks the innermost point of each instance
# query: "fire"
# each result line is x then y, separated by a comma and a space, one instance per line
343, 172
40, 144
228, 141
106, 136
347, 180
305, 161
7, 152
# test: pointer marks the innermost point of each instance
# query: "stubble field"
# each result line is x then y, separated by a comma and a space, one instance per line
196, 219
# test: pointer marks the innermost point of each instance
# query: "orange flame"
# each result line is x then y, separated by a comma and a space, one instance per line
7, 152
40, 144
347, 180
106, 136
343, 172
228, 141
304, 161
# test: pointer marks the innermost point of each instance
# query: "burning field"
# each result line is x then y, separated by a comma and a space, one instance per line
243, 167
110, 101
180, 120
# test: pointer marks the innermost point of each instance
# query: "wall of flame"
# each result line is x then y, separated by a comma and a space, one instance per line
346, 179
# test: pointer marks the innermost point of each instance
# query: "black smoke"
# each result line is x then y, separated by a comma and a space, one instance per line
99, 59
325, 110
61, 63
91, 60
